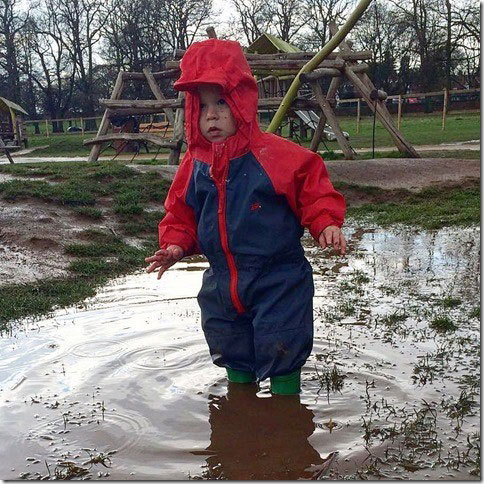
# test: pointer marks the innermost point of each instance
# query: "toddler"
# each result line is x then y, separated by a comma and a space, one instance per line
242, 198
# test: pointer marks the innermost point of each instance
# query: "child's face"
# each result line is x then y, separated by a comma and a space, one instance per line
216, 120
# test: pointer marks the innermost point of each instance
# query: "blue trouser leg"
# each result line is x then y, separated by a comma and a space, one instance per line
275, 336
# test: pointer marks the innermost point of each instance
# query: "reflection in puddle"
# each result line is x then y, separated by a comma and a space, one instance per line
390, 390
259, 438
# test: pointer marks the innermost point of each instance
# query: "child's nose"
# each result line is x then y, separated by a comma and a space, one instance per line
212, 112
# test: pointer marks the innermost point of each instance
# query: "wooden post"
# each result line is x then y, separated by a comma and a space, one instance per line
382, 113
318, 133
364, 86
82, 126
330, 97
444, 107
399, 116
104, 125
47, 128
211, 32
5, 149
155, 89
358, 116
333, 121
178, 132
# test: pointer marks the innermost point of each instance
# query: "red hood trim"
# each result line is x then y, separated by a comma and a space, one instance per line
220, 62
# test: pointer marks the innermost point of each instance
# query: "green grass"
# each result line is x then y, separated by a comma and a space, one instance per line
442, 324
424, 129
418, 129
431, 208
475, 312
421, 129
105, 257
450, 302
129, 196
82, 188
72, 145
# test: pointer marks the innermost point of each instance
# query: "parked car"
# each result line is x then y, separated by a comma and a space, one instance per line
73, 129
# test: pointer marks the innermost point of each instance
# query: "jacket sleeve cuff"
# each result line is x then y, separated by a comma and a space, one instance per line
321, 223
181, 239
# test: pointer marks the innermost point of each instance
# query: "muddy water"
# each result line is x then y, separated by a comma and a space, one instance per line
122, 387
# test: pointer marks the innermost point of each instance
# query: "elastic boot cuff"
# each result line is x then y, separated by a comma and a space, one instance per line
237, 376
287, 384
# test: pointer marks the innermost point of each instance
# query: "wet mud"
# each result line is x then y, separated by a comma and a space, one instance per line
122, 387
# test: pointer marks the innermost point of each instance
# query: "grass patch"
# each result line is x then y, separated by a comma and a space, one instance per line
393, 320
81, 186
41, 298
418, 129
432, 208
442, 324
89, 212
450, 302
98, 262
70, 193
475, 313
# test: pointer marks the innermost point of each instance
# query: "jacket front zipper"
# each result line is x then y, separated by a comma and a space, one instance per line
224, 240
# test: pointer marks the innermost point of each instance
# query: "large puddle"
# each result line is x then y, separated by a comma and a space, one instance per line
123, 387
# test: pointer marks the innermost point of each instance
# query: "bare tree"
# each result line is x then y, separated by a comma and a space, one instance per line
318, 15
47, 63
426, 41
82, 24
467, 17
12, 21
381, 32
182, 21
288, 17
253, 17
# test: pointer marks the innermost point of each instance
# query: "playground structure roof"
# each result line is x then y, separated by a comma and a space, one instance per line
270, 44
7, 106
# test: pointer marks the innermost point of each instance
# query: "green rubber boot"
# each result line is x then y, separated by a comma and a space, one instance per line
286, 384
237, 376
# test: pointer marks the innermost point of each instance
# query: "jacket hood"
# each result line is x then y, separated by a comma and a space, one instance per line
220, 62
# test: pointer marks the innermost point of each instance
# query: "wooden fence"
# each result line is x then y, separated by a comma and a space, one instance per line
445, 93
45, 125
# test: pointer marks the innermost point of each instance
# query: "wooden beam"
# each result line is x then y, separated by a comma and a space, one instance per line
141, 104
364, 86
178, 132
151, 138
319, 73
211, 32
155, 89
5, 149
276, 64
332, 121
383, 115
319, 131
103, 127
139, 76
298, 103
360, 55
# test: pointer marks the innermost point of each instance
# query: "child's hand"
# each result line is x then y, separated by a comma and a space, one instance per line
332, 235
164, 258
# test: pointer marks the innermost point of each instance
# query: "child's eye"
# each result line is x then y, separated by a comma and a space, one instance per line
202, 105
221, 102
